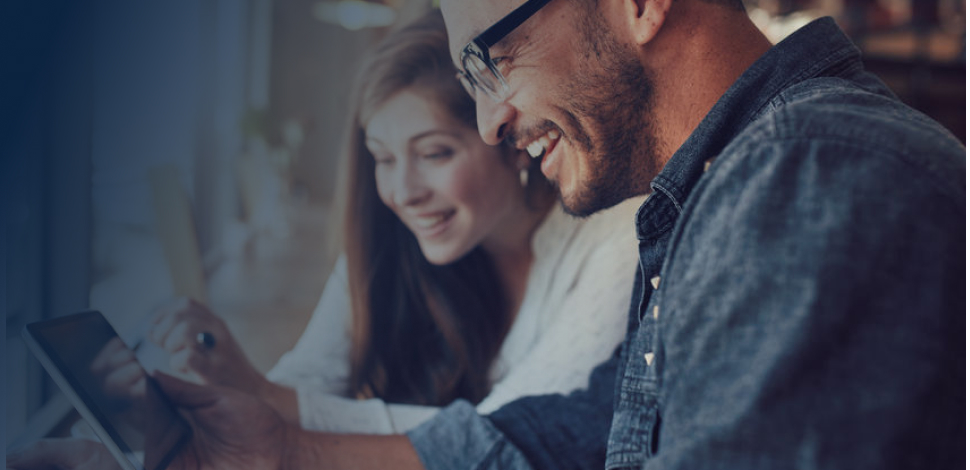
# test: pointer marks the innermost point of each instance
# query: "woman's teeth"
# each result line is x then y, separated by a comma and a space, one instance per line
429, 221
539, 146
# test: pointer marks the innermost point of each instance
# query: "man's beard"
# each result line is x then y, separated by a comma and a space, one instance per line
613, 96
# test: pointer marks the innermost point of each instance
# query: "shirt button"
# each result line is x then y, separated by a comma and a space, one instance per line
656, 312
655, 281
707, 164
649, 358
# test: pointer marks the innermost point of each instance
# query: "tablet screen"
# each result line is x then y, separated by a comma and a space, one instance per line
107, 380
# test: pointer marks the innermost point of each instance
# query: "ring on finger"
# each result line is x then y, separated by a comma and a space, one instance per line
205, 340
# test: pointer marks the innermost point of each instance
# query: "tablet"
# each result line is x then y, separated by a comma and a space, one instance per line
102, 379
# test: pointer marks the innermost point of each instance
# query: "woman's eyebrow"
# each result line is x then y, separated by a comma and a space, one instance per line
433, 132
415, 138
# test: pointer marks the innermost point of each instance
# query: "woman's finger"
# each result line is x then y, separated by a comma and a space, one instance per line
123, 379
180, 337
113, 355
166, 317
191, 363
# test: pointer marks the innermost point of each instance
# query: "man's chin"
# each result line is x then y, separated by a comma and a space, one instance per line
577, 205
586, 202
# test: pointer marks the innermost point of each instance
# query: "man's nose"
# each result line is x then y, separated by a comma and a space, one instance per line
494, 119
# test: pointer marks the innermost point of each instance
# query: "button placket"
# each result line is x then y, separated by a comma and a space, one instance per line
655, 282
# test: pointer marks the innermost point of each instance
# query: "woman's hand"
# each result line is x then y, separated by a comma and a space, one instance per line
121, 374
123, 381
179, 329
201, 347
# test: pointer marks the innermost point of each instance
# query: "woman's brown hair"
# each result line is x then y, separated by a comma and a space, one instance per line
422, 334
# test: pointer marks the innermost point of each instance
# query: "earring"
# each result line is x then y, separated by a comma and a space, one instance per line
524, 177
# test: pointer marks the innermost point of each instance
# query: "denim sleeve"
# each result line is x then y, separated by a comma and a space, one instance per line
458, 438
571, 432
825, 328
539, 432
557, 432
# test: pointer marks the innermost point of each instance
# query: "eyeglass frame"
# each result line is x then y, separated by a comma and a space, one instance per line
478, 47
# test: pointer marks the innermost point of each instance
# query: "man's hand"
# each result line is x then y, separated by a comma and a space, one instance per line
233, 429
76, 454
236, 430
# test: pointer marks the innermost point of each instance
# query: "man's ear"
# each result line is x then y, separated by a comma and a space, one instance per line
645, 17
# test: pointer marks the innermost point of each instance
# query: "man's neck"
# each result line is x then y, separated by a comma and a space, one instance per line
701, 54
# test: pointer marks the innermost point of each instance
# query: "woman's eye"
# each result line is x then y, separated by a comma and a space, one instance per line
382, 161
438, 155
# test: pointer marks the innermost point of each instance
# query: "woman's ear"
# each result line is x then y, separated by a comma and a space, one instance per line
645, 17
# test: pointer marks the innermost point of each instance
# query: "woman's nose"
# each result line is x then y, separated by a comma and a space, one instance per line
410, 188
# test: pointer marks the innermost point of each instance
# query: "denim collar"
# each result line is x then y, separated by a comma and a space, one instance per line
817, 49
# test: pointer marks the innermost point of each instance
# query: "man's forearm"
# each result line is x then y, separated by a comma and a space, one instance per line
307, 449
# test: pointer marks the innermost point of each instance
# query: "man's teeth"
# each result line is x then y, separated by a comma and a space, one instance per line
428, 222
539, 146
535, 149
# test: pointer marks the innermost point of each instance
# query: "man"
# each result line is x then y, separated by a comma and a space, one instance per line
801, 249
801, 286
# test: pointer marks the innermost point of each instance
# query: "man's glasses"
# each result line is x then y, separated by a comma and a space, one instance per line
478, 69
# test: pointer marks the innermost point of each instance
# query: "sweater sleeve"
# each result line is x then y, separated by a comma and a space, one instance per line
318, 370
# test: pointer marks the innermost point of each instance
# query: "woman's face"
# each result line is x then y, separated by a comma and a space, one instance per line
449, 188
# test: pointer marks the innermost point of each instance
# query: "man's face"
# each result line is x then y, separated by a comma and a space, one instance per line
578, 99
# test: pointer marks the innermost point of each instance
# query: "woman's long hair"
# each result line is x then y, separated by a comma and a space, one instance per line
422, 334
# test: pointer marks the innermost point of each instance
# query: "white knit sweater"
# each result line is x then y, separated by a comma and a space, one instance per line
572, 316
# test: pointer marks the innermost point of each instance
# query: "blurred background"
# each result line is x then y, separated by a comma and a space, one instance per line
191, 147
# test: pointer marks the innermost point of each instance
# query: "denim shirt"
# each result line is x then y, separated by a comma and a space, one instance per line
800, 300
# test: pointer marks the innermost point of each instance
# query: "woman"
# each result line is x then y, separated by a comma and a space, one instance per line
462, 278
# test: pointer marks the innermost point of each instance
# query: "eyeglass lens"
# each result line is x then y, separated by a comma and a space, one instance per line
482, 76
